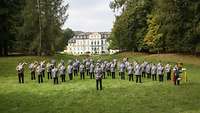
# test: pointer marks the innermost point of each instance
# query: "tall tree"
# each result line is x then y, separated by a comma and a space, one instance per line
41, 30
10, 19
156, 25
153, 38
130, 27
68, 34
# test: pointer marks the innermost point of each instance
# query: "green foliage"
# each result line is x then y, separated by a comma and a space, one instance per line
157, 25
153, 38
41, 32
32, 26
68, 34
130, 27
10, 18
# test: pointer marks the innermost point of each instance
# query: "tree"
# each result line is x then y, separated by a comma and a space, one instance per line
10, 19
176, 18
153, 38
41, 31
156, 25
130, 27
62, 42
68, 34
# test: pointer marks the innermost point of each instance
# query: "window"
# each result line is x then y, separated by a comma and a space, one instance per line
91, 43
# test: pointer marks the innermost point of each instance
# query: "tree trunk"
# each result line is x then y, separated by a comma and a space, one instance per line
5, 46
1, 49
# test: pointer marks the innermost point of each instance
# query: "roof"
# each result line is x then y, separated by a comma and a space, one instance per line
85, 35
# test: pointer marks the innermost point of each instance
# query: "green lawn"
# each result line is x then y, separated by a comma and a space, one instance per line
80, 96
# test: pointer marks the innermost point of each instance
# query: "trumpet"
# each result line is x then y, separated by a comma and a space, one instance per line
43, 62
23, 64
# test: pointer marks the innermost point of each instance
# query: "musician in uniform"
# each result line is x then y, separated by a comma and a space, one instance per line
43, 68
82, 71
108, 68
55, 75
39, 73
70, 71
112, 69
160, 73
20, 71
75, 68
87, 65
92, 70
168, 71
103, 67
122, 69
138, 73
32, 68
62, 70
154, 72
98, 73
49, 69
130, 72
148, 70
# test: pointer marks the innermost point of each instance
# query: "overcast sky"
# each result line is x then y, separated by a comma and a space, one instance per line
89, 15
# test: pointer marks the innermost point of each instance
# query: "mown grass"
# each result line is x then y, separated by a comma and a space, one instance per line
80, 96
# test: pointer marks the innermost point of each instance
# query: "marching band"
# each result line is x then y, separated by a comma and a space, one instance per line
101, 70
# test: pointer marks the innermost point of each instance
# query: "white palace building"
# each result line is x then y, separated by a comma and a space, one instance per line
89, 43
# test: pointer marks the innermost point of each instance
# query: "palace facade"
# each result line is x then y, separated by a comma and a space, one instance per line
89, 43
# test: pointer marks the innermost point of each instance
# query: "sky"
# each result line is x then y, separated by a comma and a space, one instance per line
89, 16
